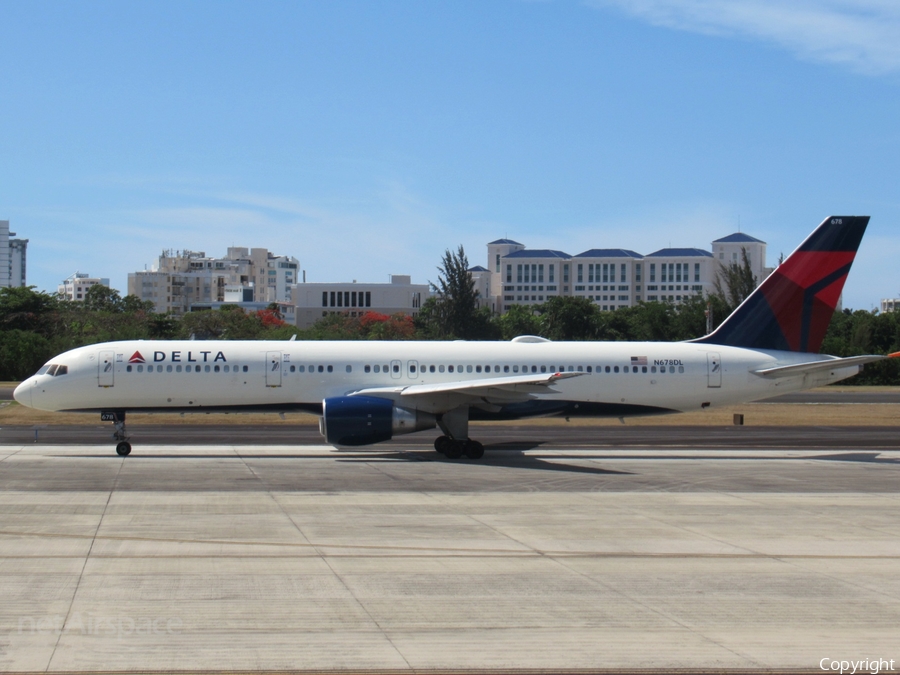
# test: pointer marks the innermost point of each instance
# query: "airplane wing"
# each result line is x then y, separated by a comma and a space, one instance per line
813, 366
518, 387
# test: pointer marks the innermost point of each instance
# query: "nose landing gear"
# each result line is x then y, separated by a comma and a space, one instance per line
117, 417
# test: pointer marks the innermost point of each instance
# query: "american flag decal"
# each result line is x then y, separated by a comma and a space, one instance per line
639, 360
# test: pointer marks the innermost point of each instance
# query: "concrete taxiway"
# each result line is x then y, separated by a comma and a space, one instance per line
544, 555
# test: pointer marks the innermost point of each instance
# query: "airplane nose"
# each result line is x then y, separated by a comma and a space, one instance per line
22, 393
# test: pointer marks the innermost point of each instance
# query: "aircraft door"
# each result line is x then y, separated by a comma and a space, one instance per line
412, 369
106, 368
273, 369
713, 370
396, 370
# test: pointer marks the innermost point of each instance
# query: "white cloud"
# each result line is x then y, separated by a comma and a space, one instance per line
862, 35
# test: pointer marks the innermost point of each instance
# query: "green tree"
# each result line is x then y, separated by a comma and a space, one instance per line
734, 282
519, 320
569, 318
454, 312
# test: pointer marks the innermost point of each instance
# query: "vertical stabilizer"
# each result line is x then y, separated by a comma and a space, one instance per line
792, 308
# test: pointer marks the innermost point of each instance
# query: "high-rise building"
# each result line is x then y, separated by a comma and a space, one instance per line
75, 287
12, 257
184, 278
612, 278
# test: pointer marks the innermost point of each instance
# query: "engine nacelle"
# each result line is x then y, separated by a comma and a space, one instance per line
362, 420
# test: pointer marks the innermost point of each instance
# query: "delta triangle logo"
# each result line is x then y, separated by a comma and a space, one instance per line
136, 358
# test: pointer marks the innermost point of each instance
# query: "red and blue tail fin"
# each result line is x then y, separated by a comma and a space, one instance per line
792, 308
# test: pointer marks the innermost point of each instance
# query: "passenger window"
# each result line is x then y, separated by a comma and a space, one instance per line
377, 369
515, 369
634, 369
217, 369
468, 369
459, 369
430, 369
300, 369
127, 369
450, 369
246, 369
367, 369
321, 369
589, 369
643, 369
606, 369
680, 369
349, 369
580, 369
169, 369
652, 369
671, 369
384, 368
197, 368
206, 368
440, 369
158, 369
477, 369
177, 369
330, 369
505, 369
412, 369
616, 369
543, 369
496, 369
140, 369
396, 368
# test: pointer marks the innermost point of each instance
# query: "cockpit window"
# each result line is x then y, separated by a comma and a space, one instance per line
42, 370
62, 370
52, 369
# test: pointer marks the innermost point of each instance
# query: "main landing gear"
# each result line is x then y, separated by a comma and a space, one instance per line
123, 447
454, 449
456, 442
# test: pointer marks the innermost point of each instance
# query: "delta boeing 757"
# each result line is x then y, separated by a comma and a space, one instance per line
368, 392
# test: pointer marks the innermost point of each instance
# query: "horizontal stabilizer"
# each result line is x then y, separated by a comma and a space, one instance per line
815, 366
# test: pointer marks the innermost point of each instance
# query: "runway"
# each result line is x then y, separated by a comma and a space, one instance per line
548, 554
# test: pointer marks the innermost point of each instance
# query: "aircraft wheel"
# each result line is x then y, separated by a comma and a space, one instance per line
441, 443
454, 449
123, 448
474, 449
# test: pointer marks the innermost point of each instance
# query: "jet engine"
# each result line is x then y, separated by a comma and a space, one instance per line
362, 420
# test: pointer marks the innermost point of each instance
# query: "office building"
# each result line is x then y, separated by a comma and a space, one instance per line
316, 300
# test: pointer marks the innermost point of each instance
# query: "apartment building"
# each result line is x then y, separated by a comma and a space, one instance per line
13, 257
74, 288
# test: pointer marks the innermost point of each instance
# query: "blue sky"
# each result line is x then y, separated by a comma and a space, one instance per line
366, 138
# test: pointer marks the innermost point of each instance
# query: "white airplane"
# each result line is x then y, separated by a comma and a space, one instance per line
367, 392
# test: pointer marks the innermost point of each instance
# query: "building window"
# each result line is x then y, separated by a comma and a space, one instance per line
580, 273
566, 274
652, 272
497, 263
519, 274
622, 276
696, 271
550, 273
509, 274
591, 273
540, 274
637, 272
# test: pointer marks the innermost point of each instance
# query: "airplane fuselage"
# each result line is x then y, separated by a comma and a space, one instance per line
618, 378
